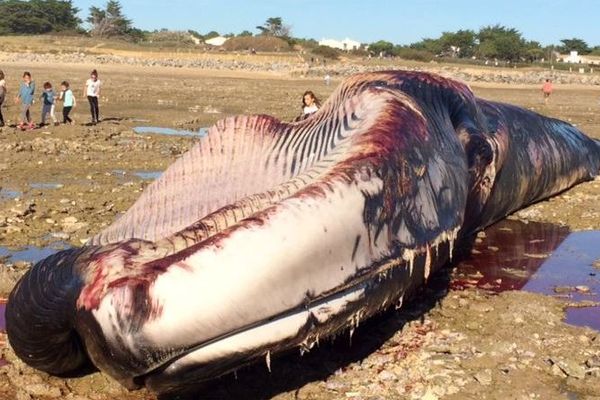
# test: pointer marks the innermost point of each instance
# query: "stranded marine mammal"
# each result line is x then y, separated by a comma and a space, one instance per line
268, 235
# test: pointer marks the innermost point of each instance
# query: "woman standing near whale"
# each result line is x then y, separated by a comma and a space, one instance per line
92, 91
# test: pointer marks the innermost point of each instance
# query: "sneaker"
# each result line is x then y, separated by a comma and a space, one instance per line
31, 126
21, 126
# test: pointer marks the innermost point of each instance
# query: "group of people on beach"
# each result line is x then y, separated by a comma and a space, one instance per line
26, 96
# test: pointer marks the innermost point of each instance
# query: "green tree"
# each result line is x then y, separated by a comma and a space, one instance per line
382, 47
500, 42
534, 51
487, 49
574, 44
110, 21
211, 34
274, 26
245, 34
432, 46
458, 44
37, 16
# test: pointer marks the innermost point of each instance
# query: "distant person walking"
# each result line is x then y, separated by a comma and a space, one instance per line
66, 95
310, 103
48, 103
92, 91
2, 96
547, 89
25, 97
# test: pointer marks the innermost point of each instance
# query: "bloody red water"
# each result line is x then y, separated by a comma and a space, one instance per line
537, 257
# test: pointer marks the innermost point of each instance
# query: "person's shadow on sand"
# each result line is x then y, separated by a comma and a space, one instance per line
110, 120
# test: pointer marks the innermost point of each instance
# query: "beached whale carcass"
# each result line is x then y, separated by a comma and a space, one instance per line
269, 235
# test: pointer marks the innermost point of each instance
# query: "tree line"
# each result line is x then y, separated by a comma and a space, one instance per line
59, 16
37, 16
494, 42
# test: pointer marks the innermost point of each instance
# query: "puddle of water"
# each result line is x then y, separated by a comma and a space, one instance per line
570, 266
31, 254
45, 185
148, 175
509, 254
118, 172
145, 175
538, 258
156, 130
9, 194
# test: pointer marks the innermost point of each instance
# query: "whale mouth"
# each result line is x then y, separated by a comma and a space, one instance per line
229, 352
303, 326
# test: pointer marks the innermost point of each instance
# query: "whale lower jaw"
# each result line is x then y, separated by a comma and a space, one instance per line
385, 286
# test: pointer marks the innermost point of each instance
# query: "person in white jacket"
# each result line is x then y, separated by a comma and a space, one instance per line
92, 91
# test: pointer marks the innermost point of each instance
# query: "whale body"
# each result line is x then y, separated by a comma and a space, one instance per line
269, 235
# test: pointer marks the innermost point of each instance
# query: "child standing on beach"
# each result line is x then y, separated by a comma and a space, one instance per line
92, 91
310, 103
2, 96
25, 97
48, 96
66, 95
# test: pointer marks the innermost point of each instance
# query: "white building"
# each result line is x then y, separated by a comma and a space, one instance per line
573, 57
216, 41
346, 44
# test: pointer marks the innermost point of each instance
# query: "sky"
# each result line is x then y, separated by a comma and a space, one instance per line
400, 21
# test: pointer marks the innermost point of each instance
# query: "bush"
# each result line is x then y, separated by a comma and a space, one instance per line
361, 52
258, 43
170, 37
327, 52
413, 54
301, 43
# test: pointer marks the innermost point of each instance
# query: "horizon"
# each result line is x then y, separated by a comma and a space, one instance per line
336, 19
